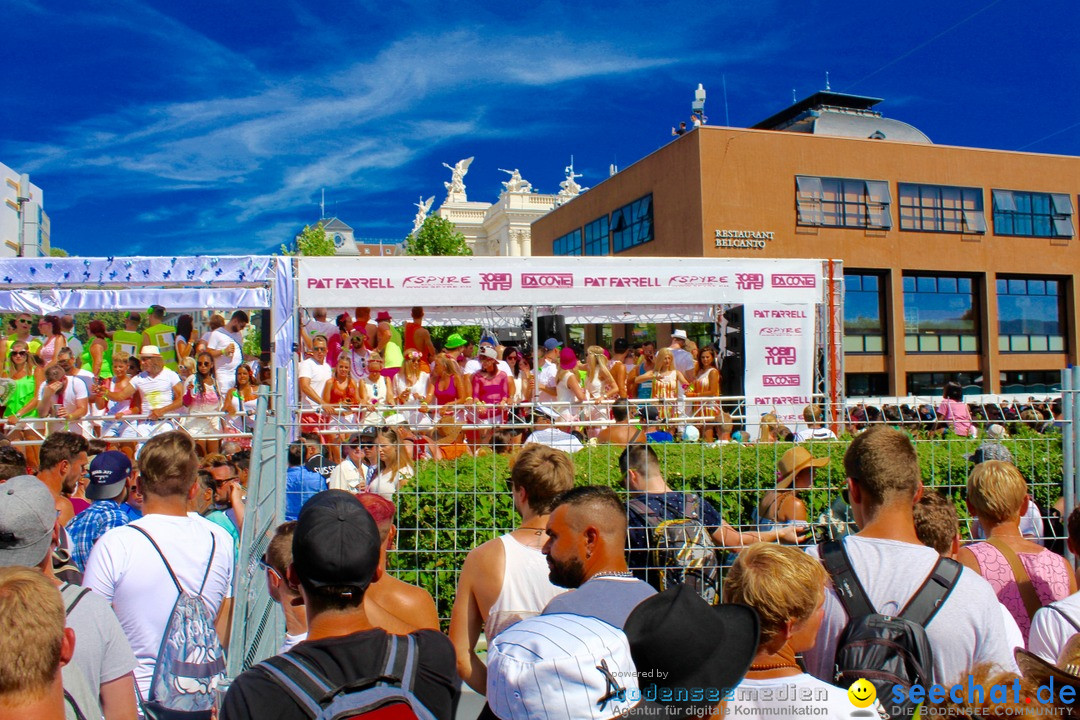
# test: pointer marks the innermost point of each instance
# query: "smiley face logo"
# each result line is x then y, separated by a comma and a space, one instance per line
862, 693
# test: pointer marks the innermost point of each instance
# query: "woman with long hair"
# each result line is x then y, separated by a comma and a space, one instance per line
568, 391
707, 386
520, 376
490, 391
345, 395
666, 382
52, 339
201, 396
411, 386
601, 387
395, 464
241, 401
22, 400
446, 388
97, 354
185, 330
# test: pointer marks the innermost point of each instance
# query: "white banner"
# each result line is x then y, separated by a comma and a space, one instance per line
779, 347
387, 282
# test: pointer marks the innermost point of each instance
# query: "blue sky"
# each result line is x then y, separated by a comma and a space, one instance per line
197, 127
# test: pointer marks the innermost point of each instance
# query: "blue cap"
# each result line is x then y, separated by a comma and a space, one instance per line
551, 344
109, 472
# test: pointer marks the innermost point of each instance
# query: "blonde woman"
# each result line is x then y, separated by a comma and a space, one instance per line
447, 390
395, 464
666, 382
998, 496
707, 386
601, 387
786, 587
411, 387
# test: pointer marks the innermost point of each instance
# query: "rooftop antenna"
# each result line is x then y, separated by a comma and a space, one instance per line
828, 88
322, 205
697, 107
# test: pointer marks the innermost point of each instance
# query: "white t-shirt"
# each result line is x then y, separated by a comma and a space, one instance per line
966, 631
473, 366
156, 391
127, 571
554, 438
225, 365
821, 433
778, 697
1050, 631
319, 375
548, 371
320, 327
346, 476
74, 390
292, 641
684, 361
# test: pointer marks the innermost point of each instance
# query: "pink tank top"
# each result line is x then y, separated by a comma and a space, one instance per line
1047, 570
491, 390
48, 349
449, 395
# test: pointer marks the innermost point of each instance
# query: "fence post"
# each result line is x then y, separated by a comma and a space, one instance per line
1069, 439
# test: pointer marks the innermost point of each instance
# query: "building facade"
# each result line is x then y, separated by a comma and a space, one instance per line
24, 226
959, 263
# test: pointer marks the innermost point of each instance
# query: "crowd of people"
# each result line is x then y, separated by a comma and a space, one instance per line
119, 544
598, 604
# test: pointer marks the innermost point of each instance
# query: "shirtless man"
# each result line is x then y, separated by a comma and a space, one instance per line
506, 579
395, 606
622, 433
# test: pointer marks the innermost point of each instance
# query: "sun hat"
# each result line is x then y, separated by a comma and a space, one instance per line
546, 411
1065, 672
27, 517
568, 360
715, 643
552, 343
561, 665
109, 472
679, 335
990, 451
336, 542
150, 351
996, 432
486, 351
793, 462
455, 341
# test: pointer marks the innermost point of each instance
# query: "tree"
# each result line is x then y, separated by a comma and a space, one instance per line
312, 241
57, 252
437, 236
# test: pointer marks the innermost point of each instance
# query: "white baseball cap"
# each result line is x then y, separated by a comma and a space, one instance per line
561, 665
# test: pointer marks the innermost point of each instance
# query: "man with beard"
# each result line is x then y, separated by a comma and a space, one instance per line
62, 462
586, 551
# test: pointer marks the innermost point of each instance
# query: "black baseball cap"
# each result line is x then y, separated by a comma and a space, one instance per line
336, 542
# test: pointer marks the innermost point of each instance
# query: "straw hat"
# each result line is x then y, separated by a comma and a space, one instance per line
1040, 672
793, 462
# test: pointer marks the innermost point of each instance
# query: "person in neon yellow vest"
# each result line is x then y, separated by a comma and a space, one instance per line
161, 336
129, 339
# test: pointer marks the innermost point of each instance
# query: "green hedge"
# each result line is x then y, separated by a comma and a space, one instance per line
451, 507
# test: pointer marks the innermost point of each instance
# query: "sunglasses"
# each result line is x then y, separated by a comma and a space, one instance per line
23, 322
223, 481
268, 567
18, 352
204, 364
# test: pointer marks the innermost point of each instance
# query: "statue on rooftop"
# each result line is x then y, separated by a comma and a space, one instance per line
516, 184
422, 209
455, 189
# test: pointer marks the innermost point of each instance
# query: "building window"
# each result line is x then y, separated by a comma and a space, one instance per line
1029, 315
1031, 382
938, 208
931, 383
1032, 214
940, 314
841, 202
864, 328
568, 244
866, 384
631, 225
596, 237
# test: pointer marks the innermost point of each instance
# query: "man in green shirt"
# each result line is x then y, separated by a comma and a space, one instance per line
162, 336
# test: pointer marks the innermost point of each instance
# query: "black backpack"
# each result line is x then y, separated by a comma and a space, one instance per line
681, 549
886, 650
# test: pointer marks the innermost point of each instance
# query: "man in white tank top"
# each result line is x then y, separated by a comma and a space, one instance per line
506, 579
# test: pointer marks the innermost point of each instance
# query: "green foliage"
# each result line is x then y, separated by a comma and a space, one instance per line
437, 236
253, 339
450, 507
312, 241
57, 252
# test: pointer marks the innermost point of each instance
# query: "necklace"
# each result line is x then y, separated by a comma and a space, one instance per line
538, 531
613, 574
775, 666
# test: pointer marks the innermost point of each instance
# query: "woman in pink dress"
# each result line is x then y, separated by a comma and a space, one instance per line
997, 496
491, 392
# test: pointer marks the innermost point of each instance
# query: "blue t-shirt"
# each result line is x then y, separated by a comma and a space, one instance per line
300, 486
611, 599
